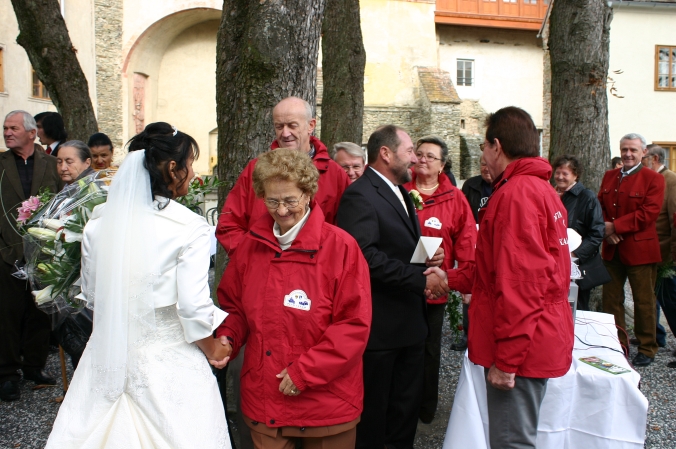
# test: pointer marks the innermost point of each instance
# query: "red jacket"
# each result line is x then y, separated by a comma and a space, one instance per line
447, 214
321, 347
521, 320
633, 205
242, 209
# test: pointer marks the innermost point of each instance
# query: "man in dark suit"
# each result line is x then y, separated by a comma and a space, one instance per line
381, 216
24, 329
51, 131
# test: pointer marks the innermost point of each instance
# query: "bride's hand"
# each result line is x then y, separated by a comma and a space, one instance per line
221, 344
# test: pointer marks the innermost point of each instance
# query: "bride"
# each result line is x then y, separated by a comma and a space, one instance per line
143, 380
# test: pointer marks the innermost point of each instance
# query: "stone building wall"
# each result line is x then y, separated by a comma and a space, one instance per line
472, 132
108, 26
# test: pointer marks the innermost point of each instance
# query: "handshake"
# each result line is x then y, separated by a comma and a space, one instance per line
436, 284
219, 352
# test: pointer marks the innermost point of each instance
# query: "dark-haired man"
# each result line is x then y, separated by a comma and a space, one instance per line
520, 294
378, 212
24, 330
51, 131
631, 199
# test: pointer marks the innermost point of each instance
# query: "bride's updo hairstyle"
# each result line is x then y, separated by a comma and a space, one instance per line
164, 143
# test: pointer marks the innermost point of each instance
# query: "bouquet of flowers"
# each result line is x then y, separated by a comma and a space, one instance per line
52, 235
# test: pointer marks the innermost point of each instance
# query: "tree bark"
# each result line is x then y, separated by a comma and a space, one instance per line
266, 51
578, 46
44, 36
343, 62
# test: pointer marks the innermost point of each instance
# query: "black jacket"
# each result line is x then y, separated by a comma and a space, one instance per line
586, 217
371, 212
474, 194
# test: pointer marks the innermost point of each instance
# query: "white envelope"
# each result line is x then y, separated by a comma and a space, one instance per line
426, 248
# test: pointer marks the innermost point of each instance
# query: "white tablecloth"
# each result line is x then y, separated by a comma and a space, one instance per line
585, 409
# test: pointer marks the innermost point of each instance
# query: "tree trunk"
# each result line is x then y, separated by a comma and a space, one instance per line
578, 46
343, 62
266, 51
44, 36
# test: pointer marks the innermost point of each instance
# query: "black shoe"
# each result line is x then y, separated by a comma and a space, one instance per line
40, 377
642, 360
634, 341
671, 364
426, 419
9, 391
459, 346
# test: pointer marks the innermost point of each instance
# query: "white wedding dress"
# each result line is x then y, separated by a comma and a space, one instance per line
169, 398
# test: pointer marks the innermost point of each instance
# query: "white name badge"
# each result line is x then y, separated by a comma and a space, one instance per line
297, 299
433, 222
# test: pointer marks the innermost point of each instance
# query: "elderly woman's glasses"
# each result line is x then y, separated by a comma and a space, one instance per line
289, 203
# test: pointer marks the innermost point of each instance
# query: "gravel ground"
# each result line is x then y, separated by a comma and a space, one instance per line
26, 423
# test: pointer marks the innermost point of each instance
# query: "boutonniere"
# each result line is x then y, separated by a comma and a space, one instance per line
417, 199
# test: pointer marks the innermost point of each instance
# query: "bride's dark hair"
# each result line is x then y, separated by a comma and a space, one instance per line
163, 144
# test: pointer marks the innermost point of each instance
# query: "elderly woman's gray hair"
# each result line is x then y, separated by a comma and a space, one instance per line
350, 148
435, 140
83, 151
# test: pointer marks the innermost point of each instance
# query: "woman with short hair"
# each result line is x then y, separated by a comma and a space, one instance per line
298, 294
584, 213
445, 213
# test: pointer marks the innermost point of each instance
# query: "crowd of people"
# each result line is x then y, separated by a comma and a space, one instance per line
332, 334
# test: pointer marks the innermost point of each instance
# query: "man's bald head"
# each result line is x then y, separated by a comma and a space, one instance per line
294, 123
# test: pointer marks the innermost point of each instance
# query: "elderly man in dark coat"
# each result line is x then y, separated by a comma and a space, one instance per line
24, 330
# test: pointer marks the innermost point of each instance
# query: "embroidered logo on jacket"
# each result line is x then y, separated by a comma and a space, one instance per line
433, 222
297, 299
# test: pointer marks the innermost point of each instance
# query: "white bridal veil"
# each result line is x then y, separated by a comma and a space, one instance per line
124, 312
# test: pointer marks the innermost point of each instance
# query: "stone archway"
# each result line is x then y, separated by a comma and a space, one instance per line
170, 75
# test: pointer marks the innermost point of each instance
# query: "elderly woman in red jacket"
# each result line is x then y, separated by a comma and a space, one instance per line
445, 213
298, 294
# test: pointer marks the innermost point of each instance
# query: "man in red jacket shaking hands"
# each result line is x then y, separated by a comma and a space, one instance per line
522, 326
631, 199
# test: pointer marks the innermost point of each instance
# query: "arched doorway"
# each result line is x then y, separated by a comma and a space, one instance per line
170, 75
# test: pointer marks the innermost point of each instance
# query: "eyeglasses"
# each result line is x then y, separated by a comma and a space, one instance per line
290, 203
427, 157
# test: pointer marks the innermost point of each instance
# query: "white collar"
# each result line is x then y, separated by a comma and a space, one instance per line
389, 183
54, 144
287, 239
628, 172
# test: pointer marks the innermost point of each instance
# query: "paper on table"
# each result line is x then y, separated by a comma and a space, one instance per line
426, 248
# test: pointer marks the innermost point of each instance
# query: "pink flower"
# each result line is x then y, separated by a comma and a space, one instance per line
27, 209
32, 204
24, 215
